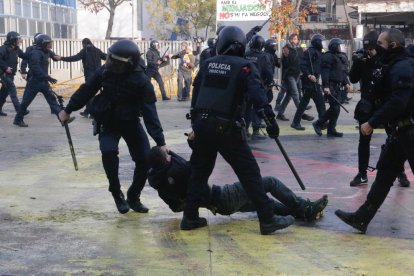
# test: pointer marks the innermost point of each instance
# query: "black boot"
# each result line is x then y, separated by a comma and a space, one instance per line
137, 206
2, 113
257, 135
275, 223
360, 219
190, 224
404, 182
121, 203
359, 179
313, 210
317, 128
20, 123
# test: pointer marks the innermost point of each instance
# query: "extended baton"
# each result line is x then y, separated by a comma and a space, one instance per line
165, 52
292, 168
65, 124
336, 100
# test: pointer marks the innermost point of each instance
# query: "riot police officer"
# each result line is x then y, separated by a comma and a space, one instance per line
270, 49
332, 78
38, 80
256, 55
220, 91
126, 92
154, 62
310, 65
9, 52
395, 88
210, 51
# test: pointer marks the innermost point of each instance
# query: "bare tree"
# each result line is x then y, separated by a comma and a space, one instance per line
96, 6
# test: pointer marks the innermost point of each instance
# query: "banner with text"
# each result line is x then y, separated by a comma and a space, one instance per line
243, 10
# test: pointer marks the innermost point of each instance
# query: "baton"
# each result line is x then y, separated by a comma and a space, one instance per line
336, 100
165, 52
292, 168
65, 124
264, 23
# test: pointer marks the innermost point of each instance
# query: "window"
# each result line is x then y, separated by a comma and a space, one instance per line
59, 15
18, 7
36, 10
45, 12
2, 9
26, 9
53, 13
40, 27
32, 27
23, 27
64, 31
56, 30
2, 26
48, 28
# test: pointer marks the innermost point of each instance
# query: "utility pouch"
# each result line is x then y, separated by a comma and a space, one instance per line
96, 129
364, 110
222, 124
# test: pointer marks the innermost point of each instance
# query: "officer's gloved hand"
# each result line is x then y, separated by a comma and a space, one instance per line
273, 129
257, 29
51, 80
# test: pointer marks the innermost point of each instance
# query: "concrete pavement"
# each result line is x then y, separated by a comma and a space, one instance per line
54, 220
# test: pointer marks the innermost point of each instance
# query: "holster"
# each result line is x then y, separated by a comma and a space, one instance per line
97, 128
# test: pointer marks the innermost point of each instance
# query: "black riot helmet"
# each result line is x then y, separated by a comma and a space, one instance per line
35, 38
257, 42
370, 40
219, 29
154, 44
13, 38
316, 41
123, 56
44, 42
231, 41
335, 45
271, 45
211, 42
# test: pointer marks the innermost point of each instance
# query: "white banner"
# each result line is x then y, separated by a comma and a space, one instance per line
243, 10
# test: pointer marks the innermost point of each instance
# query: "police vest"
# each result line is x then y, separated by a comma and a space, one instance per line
220, 85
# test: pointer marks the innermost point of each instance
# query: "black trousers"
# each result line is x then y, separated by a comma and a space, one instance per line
157, 76
311, 91
398, 148
331, 115
237, 153
138, 145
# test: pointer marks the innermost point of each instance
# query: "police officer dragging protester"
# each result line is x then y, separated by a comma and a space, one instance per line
154, 62
332, 78
217, 107
91, 60
9, 52
310, 65
125, 93
260, 59
38, 79
395, 89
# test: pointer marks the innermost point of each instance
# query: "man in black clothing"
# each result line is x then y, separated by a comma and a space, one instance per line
38, 79
154, 62
91, 60
310, 65
9, 52
169, 175
210, 51
395, 90
220, 90
332, 78
126, 93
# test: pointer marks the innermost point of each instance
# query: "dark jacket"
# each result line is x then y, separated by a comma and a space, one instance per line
128, 94
171, 182
25, 62
263, 64
153, 56
310, 64
395, 88
291, 63
91, 57
39, 64
208, 53
8, 57
331, 69
345, 67
184, 65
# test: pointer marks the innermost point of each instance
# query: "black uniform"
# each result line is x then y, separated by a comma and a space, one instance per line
25, 62
220, 90
38, 81
153, 57
310, 64
396, 90
8, 58
362, 71
345, 80
332, 77
116, 110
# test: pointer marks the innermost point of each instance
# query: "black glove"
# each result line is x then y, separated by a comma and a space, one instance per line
273, 129
257, 29
51, 80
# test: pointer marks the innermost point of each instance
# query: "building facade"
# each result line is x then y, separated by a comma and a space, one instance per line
28, 17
